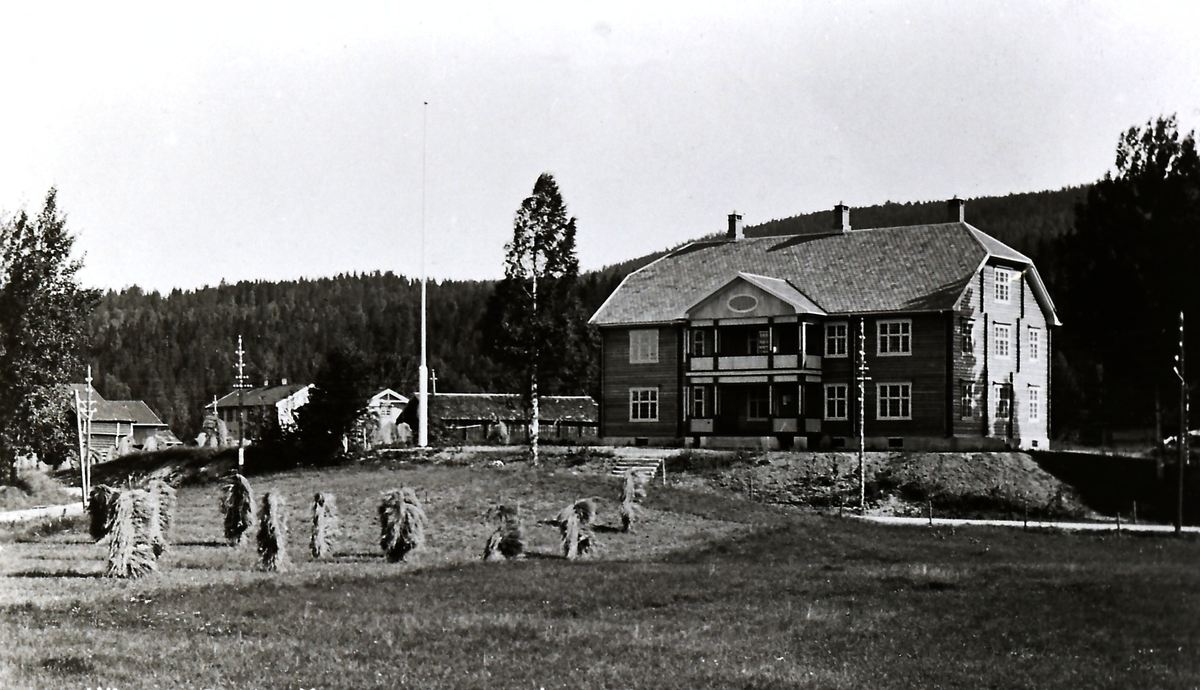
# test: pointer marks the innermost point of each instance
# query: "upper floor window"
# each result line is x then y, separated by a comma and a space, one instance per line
967, 329
836, 398
643, 346
1002, 340
1003, 283
836, 339
895, 337
643, 404
1035, 344
700, 346
758, 342
893, 401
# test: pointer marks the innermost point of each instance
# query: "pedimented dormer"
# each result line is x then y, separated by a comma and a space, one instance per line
749, 295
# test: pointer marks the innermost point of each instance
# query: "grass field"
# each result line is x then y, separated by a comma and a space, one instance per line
711, 591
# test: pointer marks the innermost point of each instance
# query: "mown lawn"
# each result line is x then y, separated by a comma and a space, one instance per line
712, 591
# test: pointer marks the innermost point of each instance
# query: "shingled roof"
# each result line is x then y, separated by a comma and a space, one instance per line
916, 268
260, 397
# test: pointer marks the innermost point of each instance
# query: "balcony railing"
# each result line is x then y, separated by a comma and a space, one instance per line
750, 362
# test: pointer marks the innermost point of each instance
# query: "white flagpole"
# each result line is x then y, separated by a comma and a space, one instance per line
423, 370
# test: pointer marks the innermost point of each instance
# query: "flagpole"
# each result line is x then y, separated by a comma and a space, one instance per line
423, 370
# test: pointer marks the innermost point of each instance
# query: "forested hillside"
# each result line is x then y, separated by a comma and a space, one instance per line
176, 351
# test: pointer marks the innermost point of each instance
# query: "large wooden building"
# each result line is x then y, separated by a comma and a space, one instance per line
767, 341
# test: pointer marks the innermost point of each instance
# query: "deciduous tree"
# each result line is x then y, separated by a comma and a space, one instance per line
43, 312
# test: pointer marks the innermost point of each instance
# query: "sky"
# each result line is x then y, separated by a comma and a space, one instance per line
195, 143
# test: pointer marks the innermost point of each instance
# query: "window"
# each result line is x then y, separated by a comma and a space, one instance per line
1035, 344
893, 401
967, 403
835, 339
1035, 403
699, 401
643, 404
1001, 340
967, 328
643, 346
1003, 400
758, 342
836, 396
699, 344
1003, 281
895, 338
758, 405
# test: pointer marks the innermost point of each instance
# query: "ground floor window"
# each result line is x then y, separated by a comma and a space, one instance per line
893, 401
758, 404
967, 393
643, 404
699, 401
1003, 400
836, 401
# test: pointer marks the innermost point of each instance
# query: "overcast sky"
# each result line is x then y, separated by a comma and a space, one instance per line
232, 142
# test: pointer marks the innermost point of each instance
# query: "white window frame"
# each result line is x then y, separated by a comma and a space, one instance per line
903, 337
901, 387
1004, 394
844, 399
637, 403
643, 346
1004, 352
699, 402
1035, 344
700, 342
1034, 403
968, 399
832, 337
1003, 285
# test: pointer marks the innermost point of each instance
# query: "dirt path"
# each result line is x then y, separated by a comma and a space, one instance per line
68, 510
1035, 524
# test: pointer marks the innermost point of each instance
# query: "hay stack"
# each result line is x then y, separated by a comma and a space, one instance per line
507, 541
237, 503
130, 551
633, 489
272, 533
574, 525
325, 525
165, 494
401, 523
102, 505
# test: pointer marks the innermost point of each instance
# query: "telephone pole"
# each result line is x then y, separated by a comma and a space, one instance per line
862, 415
1181, 372
423, 369
241, 387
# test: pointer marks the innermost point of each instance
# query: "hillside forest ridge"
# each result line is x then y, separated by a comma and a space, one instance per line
1117, 258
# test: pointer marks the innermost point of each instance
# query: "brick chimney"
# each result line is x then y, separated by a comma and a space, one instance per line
956, 211
735, 227
841, 218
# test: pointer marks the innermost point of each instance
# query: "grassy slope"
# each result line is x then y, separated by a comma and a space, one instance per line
748, 596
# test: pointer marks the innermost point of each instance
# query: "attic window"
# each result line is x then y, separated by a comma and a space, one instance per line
742, 303
1003, 280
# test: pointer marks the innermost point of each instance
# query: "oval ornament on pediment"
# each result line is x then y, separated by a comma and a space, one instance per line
742, 303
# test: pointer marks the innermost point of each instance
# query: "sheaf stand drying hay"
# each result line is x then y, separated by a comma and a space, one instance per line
401, 524
575, 528
324, 525
507, 541
272, 533
237, 503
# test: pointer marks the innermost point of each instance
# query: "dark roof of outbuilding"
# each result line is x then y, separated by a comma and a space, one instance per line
902, 269
131, 411
140, 412
260, 397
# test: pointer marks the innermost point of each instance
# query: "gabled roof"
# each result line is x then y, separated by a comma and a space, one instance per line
141, 412
261, 397
904, 269
387, 395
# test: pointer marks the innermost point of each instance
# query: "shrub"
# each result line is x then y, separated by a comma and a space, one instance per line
508, 540
272, 533
130, 551
402, 524
237, 503
325, 525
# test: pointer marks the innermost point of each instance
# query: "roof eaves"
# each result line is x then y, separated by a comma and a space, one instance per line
629, 275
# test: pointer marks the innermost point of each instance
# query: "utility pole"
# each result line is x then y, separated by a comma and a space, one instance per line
1181, 372
241, 388
862, 415
535, 422
423, 369
85, 413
